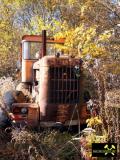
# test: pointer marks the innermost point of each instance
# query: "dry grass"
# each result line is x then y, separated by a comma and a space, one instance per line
23, 144
52, 145
48, 145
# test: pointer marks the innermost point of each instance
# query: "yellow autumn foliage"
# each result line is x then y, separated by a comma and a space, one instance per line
93, 121
81, 23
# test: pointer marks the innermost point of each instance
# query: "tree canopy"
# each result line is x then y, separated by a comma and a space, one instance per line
91, 27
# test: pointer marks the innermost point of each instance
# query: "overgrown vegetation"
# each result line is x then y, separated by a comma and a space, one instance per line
92, 32
91, 28
52, 145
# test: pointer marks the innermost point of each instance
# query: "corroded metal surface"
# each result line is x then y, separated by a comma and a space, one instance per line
31, 116
37, 38
56, 81
51, 60
27, 70
59, 89
43, 44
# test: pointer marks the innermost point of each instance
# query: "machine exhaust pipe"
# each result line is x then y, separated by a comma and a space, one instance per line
43, 43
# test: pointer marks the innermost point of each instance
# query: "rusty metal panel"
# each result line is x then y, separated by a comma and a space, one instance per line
58, 85
84, 114
51, 60
64, 85
43, 90
27, 70
64, 113
31, 116
37, 38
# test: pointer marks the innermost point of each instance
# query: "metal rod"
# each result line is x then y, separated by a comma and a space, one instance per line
66, 92
77, 90
43, 43
70, 81
58, 84
74, 77
54, 93
57, 87
62, 71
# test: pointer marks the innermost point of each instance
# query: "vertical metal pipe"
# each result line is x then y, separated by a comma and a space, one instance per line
70, 83
20, 55
66, 90
54, 83
58, 85
73, 89
62, 81
43, 43
77, 89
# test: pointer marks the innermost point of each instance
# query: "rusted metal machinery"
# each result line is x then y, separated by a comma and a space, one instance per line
54, 83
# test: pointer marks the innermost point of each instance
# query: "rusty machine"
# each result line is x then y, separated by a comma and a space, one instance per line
54, 82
